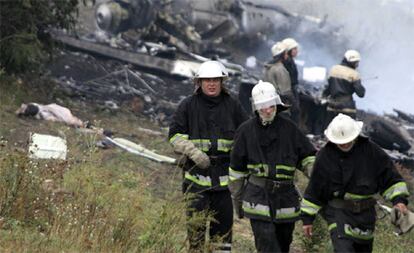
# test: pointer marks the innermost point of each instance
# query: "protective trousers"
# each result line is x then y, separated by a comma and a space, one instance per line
343, 244
272, 237
218, 204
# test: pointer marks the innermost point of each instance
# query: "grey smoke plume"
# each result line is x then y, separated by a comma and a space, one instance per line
383, 32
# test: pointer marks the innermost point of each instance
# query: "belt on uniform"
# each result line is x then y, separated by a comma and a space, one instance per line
345, 110
355, 206
269, 183
216, 159
341, 99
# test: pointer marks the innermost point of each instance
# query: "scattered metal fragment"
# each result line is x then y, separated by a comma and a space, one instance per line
140, 150
47, 147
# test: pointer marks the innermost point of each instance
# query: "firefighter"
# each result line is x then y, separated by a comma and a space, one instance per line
267, 150
343, 81
202, 130
276, 73
292, 48
348, 171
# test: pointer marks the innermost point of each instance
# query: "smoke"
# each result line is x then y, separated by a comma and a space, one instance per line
383, 32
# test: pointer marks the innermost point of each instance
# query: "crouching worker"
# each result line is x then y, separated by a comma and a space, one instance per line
348, 171
267, 150
202, 130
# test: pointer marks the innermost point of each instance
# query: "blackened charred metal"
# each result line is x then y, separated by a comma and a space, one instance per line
121, 15
151, 74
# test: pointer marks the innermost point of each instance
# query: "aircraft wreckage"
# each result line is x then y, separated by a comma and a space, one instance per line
145, 53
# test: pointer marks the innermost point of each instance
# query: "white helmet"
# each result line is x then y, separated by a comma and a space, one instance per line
352, 56
264, 95
211, 69
343, 129
278, 48
290, 43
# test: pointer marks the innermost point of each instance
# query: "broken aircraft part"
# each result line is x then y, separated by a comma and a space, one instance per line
387, 135
118, 16
158, 55
140, 150
43, 146
180, 68
245, 16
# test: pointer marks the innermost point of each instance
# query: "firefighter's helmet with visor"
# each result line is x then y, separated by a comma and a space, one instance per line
264, 95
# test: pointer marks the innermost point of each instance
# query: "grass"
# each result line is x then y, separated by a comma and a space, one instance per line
103, 200
97, 200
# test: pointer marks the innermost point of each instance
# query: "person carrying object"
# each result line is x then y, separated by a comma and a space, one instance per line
202, 131
349, 170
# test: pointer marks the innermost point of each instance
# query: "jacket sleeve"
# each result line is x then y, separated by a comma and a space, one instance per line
238, 171
179, 126
391, 185
315, 196
359, 89
326, 91
306, 153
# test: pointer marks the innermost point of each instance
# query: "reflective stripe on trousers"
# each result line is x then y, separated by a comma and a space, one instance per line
205, 180
264, 210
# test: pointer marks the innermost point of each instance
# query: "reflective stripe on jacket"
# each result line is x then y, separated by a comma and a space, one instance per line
271, 152
209, 123
356, 175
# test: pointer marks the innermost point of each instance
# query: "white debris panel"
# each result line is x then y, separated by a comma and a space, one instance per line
47, 147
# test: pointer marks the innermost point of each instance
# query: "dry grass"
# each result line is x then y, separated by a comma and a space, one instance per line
102, 200
96, 201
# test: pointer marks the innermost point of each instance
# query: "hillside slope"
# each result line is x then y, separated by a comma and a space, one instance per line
102, 200
98, 200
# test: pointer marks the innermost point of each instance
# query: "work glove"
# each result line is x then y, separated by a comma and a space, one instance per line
307, 170
200, 158
402, 222
188, 148
238, 208
182, 146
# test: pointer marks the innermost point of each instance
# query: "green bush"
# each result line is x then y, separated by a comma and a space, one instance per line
25, 42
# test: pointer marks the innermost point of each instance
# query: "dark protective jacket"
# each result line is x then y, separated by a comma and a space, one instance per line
343, 81
210, 123
356, 176
271, 152
291, 67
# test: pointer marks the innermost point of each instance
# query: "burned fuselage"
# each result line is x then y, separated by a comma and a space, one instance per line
162, 34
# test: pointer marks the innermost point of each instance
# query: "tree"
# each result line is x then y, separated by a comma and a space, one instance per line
24, 39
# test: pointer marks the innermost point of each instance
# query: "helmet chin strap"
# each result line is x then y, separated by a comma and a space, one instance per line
267, 121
